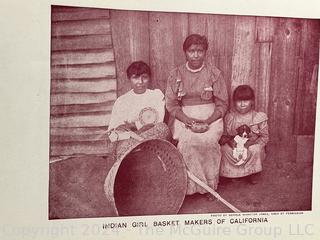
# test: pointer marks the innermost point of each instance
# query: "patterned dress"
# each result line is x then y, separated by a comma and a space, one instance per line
257, 121
198, 95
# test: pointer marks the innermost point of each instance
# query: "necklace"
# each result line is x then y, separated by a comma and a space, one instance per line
194, 70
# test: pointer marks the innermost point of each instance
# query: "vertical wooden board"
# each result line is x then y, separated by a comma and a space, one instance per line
130, 35
265, 27
139, 35
285, 56
121, 43
198, 24
224, 63
309, 110
308, 75
263, 76
221, 40
301, 89
305, 148
221, 34
243, 60
307, 91
161, 47
180, 32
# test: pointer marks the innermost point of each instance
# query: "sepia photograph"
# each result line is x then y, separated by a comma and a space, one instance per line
159, 119
167, 113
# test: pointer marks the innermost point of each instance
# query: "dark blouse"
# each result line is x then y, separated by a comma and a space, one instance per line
195, 88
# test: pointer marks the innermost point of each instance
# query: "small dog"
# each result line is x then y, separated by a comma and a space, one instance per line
243, 131
240, 152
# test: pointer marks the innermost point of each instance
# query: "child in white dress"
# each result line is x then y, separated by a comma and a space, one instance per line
140, 108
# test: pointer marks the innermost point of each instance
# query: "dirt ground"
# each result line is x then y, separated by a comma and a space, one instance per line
279, 189
76, 189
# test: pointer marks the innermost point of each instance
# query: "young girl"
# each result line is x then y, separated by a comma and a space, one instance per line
140, 109
243, 113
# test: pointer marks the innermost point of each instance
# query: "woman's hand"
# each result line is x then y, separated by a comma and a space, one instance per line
145, 128
127, 126
188, 121
252, 139
199, 127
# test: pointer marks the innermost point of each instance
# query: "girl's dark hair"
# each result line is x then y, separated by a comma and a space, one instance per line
195, 39
138, 68
243, 92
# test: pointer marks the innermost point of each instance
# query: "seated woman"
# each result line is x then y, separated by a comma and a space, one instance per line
243, 114
196, 95
138, 110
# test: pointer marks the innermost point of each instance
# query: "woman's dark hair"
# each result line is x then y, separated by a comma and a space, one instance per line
243, 92
138, 68
197, 40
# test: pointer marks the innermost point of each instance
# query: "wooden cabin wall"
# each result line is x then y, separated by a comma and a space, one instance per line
83, 80
278, 57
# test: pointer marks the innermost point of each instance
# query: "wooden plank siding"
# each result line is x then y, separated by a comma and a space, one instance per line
130, 33
78, 148
92, 48
82, 98
81, 108
81, 42
305, 109
65, 14
100, 70
243, 60
161, 47
284, 78
81, 57
198, 24
221, 30
76, 28
93, 85
265, 27
262, 78
180, 32
83, 80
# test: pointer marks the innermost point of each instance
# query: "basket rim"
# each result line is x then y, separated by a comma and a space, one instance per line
109, 183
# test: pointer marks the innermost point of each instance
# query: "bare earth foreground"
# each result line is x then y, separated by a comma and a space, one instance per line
76, 189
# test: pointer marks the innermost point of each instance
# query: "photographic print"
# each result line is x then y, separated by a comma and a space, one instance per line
145, 108
159, 120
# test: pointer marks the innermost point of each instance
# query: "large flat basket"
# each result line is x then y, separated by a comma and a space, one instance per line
148, 178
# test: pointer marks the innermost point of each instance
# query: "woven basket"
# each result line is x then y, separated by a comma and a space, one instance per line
148, 178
